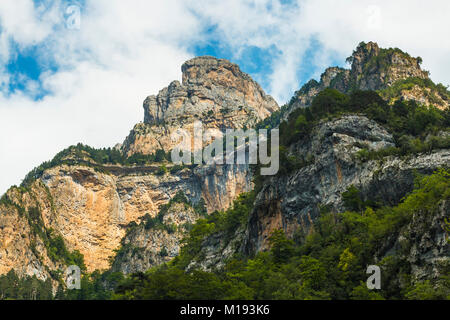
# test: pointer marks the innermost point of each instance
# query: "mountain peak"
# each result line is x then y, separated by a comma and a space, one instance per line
375, 68
210, 70
393, 73
213, 91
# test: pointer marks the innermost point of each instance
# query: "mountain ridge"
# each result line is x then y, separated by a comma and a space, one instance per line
374, 68
88, 205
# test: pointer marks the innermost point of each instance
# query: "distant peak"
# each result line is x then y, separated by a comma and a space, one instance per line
369, 46
205, 68
204, 61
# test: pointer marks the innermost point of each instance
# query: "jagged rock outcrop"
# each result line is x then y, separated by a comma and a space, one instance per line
293, 201
100, 208
374, 68
90, 204
423, 243
213, 91
146, 245
217, 249
91, 208
378, 69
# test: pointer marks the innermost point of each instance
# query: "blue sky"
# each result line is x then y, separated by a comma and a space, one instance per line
67, 78
26, 64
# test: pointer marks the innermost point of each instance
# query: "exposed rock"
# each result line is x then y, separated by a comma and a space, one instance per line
216, 249
21, 247
424, 244
144, 246
293, 201
372, 68
214, 91
334, 77
375, 69
91, 208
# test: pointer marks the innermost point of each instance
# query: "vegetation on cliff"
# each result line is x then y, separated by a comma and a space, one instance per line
415, 128
85, 155
327, 263
395, 90
405, 119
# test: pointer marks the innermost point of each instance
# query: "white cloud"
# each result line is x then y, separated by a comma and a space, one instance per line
106, 69
419, 28
20, 20
126, 50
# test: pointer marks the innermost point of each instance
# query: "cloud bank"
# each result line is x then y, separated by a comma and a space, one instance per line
61, 83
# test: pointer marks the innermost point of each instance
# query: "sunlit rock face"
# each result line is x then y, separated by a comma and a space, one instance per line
91, 207
213, 91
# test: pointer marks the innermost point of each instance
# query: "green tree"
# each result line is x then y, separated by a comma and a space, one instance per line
352, 199
282, 248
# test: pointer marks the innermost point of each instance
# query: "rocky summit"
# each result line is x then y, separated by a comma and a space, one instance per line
363, 180
213, 91
391, 72
90, 206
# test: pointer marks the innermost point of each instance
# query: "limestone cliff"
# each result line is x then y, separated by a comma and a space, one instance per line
24, 241
90, 208
213, 91
391, 72
90, 203
154, 240
294, 200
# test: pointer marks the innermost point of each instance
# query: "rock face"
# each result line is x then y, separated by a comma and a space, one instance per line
21, 247
293, 201
90, 205
375, 68
145, 245
91, 209
424, 244
214, 91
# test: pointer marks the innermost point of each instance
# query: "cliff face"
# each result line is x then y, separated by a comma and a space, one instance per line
21, 246
293, 201
154, 241
90, 205
91, 209
112, 213
423, 243
214, 91
374, 68
391, 72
